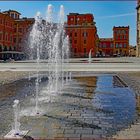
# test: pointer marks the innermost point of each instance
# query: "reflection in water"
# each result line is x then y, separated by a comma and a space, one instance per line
115, 101
121, 101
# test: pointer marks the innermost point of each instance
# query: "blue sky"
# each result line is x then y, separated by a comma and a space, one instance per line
106, 13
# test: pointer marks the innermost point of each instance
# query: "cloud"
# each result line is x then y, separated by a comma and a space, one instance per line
116, 16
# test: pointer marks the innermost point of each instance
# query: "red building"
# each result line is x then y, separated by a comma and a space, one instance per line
12, 32
6, 34
116, 46
121, 40
21, 27
82, 33
106, 46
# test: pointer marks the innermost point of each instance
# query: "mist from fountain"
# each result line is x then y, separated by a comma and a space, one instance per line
36, 45
90, 56
16, 133
67, 51
70, 76
16, 125
47, 40
57, 54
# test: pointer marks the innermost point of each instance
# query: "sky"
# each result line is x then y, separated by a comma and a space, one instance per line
106, 13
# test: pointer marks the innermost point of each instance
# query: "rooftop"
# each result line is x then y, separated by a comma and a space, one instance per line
11, 11
120, 27
80, 14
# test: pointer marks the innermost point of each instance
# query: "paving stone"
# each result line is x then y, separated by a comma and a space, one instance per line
69, 131
58, 138
84, 136
72, 135
84, 131
88, 121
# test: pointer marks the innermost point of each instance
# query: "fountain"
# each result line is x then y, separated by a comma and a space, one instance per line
16, 132
70, 76
90, 56
58, 51
49, 39
36, 43
16, 117
29, 76
46, 40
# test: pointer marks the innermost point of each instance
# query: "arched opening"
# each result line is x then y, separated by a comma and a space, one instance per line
5, 48
10, 48
14, 48
0, 51
0, 48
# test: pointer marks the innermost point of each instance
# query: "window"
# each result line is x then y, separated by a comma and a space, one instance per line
6, 37
84, 50
19, 40
124, 36
85, 34
11, 38
75, 50
104, 45
100, 45
70, 34
123, 32
116, 32
15, 16
20, 30
111, 45
15, 40
15, 30
0, 47
1, 36
75, 41
120, 45
10, 49
75, 34
117, 45
1, 21
125, 45
14, 48
5, 48
119, 32
116, 36
85, 42
12, 15
125, 52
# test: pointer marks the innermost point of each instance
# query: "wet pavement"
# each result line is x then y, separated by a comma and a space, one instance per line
97, 106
